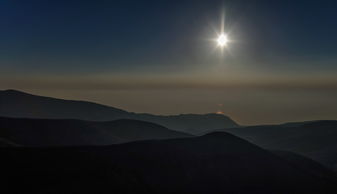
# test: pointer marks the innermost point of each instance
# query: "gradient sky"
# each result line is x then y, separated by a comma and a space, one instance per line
159, 56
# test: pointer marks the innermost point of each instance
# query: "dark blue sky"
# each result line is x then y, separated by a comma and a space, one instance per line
150, 56
123, 35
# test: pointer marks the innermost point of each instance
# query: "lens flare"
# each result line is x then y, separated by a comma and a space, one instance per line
222, 40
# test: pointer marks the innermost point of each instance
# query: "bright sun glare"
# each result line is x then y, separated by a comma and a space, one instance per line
222, 40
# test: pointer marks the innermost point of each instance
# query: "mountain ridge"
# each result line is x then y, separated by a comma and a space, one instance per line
14, 103
314, 139
67, 132
214, 163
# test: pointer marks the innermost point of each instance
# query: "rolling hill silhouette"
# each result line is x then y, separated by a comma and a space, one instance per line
57, 132
19, 104
307, 164
314, 139
214, 163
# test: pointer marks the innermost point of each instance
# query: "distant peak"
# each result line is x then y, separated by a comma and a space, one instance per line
206, 114
135, 121
12, 91
220, 135
221, 114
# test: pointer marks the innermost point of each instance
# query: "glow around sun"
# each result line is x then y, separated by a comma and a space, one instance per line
222, 40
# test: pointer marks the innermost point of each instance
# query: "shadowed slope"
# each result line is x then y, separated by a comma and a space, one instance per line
19, 104
307, 165
44, 132
215, 163
314, 139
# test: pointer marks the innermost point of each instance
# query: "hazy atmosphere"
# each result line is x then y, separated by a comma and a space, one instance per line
160, 57
168, 96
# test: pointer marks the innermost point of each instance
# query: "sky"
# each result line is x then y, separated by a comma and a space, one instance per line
160, 56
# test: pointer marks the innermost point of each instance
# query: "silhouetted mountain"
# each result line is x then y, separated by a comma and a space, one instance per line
215, 163
56, 132
19, 104
190, 123
307, 165
314, 139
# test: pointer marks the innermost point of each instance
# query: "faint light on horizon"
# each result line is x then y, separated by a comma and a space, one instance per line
220, 112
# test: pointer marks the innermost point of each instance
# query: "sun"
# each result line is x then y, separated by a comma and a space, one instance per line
222, 40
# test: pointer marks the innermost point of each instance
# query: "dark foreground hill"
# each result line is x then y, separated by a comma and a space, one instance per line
19, 104
215, 163
56, 132
314, 139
